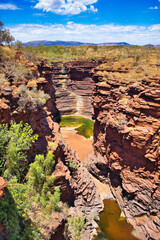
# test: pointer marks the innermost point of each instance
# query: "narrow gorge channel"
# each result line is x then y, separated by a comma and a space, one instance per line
121, 157
68, 89
112, 226
98, 164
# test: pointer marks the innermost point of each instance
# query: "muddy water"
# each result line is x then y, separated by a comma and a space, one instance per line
80, 144
112, 225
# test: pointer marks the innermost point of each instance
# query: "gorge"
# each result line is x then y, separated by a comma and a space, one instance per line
126, 142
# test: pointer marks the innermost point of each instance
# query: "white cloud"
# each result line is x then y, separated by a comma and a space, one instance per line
8, 6
153, 8
39, 14
66, 7
92, 33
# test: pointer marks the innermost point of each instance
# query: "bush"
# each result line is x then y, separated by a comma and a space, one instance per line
14, 143
41, 182
31, 99
72, 165
13, 71
75, 227
23, 199
13, 213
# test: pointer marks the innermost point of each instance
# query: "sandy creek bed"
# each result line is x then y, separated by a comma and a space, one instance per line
84, 147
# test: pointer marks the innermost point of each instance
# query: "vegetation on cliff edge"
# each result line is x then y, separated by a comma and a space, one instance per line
30, 187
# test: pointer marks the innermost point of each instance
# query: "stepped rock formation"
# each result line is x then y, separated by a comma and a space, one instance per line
127, 136
126, 140
73, 86
77, 187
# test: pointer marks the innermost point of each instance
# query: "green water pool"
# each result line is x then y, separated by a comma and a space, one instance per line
83, 126
113, 227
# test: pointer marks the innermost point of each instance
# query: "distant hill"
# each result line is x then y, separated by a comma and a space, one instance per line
70, 43
53, 43
114, 44
74, 43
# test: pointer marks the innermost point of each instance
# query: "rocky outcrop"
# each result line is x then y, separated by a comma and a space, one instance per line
73, 86
41, 118
77, 186
127, 135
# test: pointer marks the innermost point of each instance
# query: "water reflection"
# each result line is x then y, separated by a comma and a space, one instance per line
112, 225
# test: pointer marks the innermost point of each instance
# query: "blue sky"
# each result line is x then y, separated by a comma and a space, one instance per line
97, 21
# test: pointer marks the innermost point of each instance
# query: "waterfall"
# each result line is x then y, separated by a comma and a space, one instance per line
79, 104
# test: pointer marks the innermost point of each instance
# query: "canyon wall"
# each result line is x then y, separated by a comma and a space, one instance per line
126, 140
127, 146
73, 86
77, 187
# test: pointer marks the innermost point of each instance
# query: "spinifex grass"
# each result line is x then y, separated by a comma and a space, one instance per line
84, 126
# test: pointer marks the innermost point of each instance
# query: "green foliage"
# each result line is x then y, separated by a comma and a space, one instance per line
41, 182
31, 99
56, 198
3, 143
5, 36
36, 173
14, 143
72, 165
12, 70
18, 44
49, 163
22, 199
75, 227
13, 216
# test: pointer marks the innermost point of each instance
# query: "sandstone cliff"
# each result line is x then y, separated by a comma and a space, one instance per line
77, 187
127, 136
73, 86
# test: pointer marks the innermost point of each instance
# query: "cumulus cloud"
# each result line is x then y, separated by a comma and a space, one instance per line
92, 33
66, 7
8, 6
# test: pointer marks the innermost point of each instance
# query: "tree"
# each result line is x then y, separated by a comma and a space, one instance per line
18, 44
15, 141
5, 36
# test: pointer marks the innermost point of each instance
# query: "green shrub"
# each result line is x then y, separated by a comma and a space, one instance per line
22, 199
13, 216
41, 182
14, 143
31, 99
72, 165
14, 71
75, 227
49, 163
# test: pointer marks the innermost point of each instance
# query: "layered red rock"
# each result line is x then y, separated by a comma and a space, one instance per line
73, 86
77, 186
126, 134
